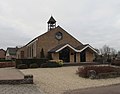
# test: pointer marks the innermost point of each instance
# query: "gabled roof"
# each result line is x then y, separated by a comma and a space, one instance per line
78, 49
12, 51
81, 47
58, 27
2, 50
66, 45
87, 46
59, 47
51, 20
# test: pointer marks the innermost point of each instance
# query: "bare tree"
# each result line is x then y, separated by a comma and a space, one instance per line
118, 55
105, 50
107, 53
113, 53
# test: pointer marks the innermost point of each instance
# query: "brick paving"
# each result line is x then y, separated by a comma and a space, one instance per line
19, 89
15, 74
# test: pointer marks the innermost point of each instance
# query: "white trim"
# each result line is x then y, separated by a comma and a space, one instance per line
88, 46
32, 42
67, 45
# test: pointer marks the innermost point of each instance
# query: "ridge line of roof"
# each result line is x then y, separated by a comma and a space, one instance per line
50, 31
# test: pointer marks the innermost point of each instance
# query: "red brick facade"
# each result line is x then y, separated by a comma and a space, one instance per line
2, 54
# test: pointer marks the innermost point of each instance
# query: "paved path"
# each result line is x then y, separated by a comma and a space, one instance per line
15, 74
10, 73
19, 89
114, 89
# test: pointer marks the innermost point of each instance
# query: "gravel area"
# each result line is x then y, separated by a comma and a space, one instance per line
59, 80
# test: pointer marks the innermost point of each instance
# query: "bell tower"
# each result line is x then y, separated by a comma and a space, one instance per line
51, 23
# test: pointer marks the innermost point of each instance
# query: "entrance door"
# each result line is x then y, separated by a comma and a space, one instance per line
65, 55
83, 56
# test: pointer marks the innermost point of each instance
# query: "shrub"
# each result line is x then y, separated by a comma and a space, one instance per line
49, 64
116, 62
31, 61
83, 71
34, 65
3, 60
49, 56
44, 65
22, 66
42, 53
58, 62
53, 63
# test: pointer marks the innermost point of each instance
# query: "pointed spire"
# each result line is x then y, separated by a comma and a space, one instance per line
51, 20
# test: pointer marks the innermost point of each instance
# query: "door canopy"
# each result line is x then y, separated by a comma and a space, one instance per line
77, 50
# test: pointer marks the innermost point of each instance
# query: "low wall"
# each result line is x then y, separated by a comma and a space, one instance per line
80, 64
7, 64
108, 75
28, 79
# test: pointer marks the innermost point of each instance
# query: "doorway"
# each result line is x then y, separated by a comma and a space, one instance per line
83, 56
65, 55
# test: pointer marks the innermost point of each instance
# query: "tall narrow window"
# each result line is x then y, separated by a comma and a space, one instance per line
22, 54
74, 57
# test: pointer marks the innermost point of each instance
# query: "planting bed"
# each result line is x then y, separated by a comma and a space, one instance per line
98, 71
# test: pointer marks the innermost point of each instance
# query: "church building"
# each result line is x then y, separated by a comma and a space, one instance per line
59, 44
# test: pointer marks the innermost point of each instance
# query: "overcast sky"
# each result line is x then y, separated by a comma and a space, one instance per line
96, 22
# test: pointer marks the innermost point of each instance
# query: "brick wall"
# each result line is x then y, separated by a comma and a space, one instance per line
89, 56
7, 64
2, 54
55, 56
48, 41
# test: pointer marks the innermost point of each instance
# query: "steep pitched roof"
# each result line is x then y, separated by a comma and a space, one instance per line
2, 50
81, 46
69, 34
80, 49
12, 51
57, 47
58, 27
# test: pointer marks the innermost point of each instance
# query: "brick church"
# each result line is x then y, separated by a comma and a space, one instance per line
59, 44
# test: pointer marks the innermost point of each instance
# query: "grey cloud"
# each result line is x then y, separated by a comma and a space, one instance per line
96, 22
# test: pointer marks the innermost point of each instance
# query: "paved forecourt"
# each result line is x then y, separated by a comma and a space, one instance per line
10, 74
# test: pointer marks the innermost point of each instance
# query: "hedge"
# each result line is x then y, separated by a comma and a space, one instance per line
22, 66
34, 65
3, 60
52, 63
28, 62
